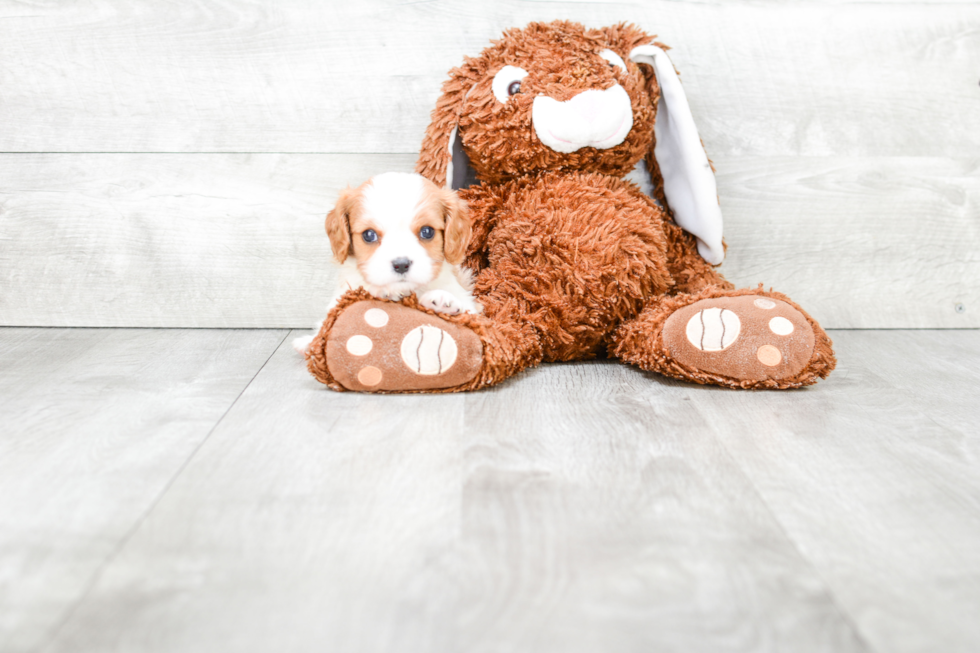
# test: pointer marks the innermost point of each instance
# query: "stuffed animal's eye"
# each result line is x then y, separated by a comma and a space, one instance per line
613, 59
369, 236
507, 82
427, 233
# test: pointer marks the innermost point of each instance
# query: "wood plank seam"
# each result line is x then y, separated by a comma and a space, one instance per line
814, 569
120, 545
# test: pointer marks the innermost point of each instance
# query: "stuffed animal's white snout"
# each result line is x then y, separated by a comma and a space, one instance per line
593, 118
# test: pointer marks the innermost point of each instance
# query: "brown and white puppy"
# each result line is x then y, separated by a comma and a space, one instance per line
399, 233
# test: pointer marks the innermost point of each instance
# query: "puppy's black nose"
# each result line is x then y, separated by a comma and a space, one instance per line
401, 265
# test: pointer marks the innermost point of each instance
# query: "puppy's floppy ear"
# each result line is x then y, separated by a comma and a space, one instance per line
442, 159
338, 224
458, 229
688, 181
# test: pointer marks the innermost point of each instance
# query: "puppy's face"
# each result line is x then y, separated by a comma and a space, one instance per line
400, 228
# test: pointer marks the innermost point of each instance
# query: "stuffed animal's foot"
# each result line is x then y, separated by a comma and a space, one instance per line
383, 346
748, 338
733, 338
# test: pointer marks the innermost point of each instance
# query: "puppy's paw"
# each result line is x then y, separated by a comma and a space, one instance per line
302, 343
441, 301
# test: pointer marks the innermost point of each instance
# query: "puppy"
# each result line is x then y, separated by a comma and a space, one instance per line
396, 234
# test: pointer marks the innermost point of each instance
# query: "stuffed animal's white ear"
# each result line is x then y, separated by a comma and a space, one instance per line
689, 183
459, 172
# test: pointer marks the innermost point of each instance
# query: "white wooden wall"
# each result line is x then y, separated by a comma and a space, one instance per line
169, 163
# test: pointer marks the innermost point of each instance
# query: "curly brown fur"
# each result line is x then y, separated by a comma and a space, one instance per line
573, 279
690, 272
570, 257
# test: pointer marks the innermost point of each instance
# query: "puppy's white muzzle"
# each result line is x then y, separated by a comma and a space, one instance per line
593, 118
386, 269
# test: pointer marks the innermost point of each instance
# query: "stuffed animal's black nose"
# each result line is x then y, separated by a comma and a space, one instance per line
401, 265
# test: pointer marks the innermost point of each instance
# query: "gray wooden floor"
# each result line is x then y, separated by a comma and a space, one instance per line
196, 490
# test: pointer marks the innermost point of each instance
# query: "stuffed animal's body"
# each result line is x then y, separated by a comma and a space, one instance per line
570, 258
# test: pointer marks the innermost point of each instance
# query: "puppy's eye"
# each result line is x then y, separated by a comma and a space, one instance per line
369, 236
427, 233
615, 61
507, 82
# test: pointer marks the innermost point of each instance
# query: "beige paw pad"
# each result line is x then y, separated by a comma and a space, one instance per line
359, 345
428, 350
764, 304
713, 329
781, 326
769, 355
376, 317
370, 376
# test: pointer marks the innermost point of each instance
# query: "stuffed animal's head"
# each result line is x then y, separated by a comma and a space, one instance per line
549, 96
558, 96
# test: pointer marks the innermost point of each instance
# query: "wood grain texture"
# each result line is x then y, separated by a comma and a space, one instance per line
764, 79
877, 480
234, 240
171, 240
95, 424
577, 508
604, 514
860, 243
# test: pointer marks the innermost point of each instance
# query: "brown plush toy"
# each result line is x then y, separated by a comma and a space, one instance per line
571, 259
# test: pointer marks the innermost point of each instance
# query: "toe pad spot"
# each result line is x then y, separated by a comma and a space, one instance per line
376, 317
781, 326
769, 355
369, 376
359, 345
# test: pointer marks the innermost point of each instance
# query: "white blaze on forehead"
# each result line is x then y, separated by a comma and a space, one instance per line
392, 199
593, 118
